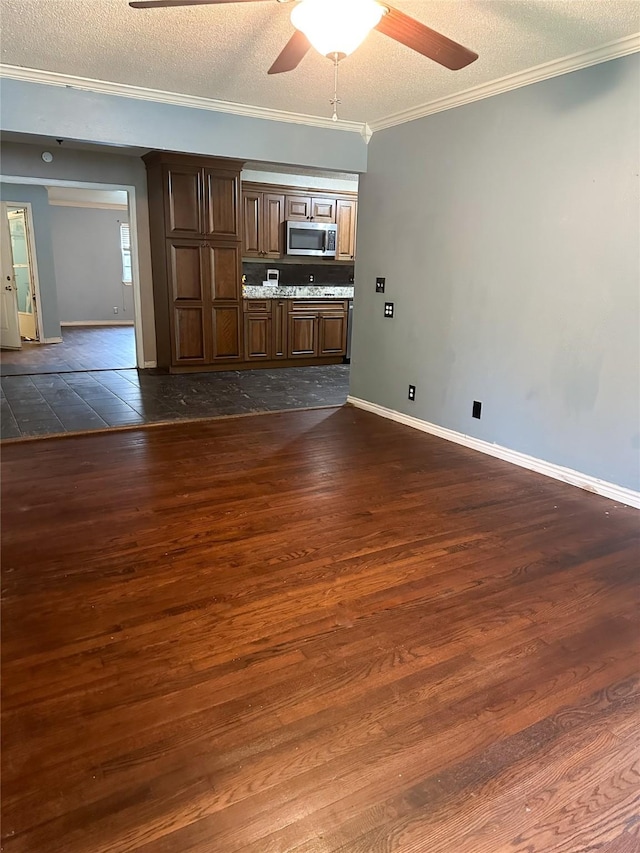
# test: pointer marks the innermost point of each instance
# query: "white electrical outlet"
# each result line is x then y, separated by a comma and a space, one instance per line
115, 310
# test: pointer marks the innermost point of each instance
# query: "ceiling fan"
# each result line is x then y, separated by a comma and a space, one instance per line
337, 27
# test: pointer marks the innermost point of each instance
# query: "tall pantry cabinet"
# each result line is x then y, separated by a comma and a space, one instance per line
194, 210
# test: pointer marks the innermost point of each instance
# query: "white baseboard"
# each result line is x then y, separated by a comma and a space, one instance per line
150, 364
97, 323
52, 340
620, 494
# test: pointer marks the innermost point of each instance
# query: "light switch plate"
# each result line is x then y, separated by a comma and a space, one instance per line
380, 282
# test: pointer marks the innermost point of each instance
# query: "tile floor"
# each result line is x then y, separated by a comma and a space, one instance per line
82, 348
53, 403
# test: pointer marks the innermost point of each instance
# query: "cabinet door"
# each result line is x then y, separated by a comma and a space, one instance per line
222, 191
226, 332
303, 335
257, 336
279, 325
272, 230
187, 274
323, 209
332, 334
183, 208
298, 208
346, 218
251, 221
225, 272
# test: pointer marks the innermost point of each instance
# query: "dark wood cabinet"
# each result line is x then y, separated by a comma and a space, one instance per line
279, 312
194, 211
295, 329
263, 216
257, 329
204, 293
332, 333
317, 329
301, 208
303, 334
221, 208
267, 207
183, 207
201, 202
346, 217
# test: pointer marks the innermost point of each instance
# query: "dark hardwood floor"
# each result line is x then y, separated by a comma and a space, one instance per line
313, 632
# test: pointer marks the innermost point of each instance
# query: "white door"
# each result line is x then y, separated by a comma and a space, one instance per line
23, 272
9, 322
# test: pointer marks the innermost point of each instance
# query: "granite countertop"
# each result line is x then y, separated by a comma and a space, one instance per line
303, 291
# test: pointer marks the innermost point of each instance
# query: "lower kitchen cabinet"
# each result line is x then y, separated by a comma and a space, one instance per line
332, 333
279, 326
303, 335
295, 330
257, 336
317, 329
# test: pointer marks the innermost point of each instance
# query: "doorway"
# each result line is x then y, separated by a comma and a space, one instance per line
100, 197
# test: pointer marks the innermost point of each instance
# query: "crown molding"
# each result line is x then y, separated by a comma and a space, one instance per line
91, 205
124, 90
574, 62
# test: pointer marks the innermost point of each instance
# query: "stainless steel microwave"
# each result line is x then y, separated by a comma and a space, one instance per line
318, 239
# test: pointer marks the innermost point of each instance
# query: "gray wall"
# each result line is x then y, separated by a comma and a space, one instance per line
72, 113
95, 167
41, 211
86, 248
508, 231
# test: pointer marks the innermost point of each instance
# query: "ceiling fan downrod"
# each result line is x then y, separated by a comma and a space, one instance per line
335, 100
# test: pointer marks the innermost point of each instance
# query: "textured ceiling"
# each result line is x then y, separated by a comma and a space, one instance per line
223, 52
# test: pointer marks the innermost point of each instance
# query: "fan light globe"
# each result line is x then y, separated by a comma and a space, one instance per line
336, 26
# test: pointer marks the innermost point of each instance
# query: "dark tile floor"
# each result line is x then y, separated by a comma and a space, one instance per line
82, 348
48, 404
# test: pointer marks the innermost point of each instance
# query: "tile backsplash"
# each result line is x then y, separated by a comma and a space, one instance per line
341, 274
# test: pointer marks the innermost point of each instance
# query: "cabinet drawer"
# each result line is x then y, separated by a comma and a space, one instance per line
257, 305
309, 305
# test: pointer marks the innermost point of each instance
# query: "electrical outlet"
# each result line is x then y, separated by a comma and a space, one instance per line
388, 309
311, 279
380, 285
477, 409
412, 392
115, 310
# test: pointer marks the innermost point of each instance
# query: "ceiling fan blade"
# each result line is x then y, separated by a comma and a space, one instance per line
424, 40
294, 52
163, 4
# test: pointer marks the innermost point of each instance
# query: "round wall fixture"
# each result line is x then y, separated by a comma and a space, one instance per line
47, 156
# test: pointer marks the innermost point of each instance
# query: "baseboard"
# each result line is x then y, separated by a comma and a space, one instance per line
52, 340
148, 365
620, 494
97, 323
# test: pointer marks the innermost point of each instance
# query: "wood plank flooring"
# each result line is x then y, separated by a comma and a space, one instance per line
313, 632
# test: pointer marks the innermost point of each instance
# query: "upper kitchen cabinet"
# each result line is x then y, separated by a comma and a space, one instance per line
302, 208
263, 216
198, 200
222, 204
266, 207
346, 217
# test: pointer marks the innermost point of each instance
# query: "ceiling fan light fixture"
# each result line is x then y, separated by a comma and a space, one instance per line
336, 26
